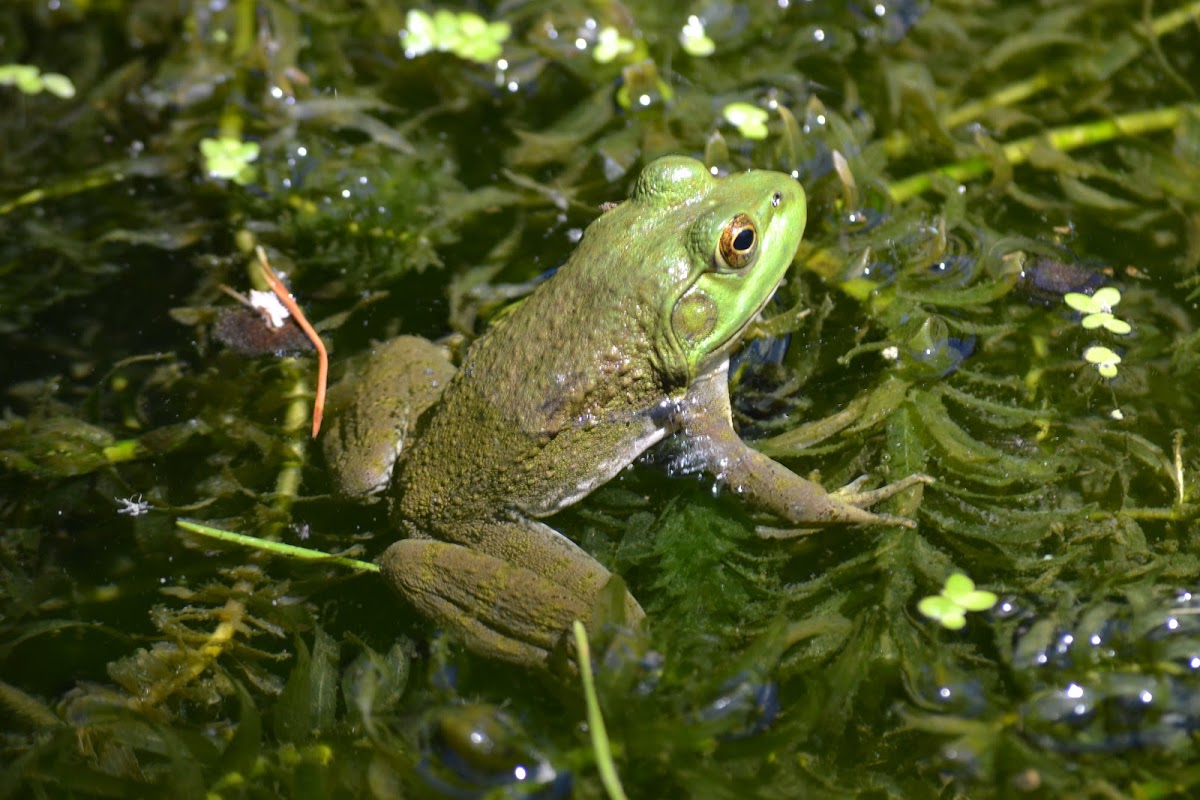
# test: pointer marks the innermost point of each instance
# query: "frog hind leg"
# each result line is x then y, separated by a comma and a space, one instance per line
374, 410
511, 608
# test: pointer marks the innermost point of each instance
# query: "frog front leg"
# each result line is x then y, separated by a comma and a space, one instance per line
705, 419
511, 594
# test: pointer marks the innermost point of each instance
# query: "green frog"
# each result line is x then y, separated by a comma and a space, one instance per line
626, 344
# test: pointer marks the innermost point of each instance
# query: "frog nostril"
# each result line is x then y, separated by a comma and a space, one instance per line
776, 199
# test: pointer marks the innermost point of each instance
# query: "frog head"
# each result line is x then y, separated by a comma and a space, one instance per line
734, 239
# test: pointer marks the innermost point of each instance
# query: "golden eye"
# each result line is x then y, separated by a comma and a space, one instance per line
738, 245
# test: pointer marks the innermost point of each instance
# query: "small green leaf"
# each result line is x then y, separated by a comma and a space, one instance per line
977, 601
749, 119
247, 152
954, 621
478, 40
1108, 321
1106, 297
1101, 302
1101, 355
945, 611
962, 592
958, 585
1105, 360
610, 44
936, 606
467, 35
472, 25
418, 33
445, 30
30, 82
693, 39
499, 31
1081, 302
957, 597
1118, 326
58, 85
229, 158
16, 74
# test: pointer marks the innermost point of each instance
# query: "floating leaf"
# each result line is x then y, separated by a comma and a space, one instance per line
961, 589
419, 34
1097, 309
466, 35
694, 40
749, 119
944, 610
1104, 359
957, 597
26, 78
229, 158
610, 44
58, 85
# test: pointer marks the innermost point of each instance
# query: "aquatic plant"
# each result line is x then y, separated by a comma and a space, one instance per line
986, 184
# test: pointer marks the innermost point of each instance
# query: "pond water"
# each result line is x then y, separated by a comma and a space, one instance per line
997, 287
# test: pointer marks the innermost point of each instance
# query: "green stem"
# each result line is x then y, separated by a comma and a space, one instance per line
64, 189
279, 548
295, 427
1120, 53
1008, 96
1173, 514
1175, 19
1063, 139
244, 31
600, 746
1099, 68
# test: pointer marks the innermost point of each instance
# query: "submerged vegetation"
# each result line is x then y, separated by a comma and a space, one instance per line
986, 182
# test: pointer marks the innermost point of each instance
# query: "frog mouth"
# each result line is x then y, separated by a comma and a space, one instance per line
757, 316
721, 353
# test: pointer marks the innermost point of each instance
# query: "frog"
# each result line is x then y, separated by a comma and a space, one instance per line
627, 343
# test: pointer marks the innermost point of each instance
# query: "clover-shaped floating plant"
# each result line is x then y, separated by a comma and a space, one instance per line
229, 158
957, 597
610, 44
31, 80
466, 35
694, 40
1097, 309
749, 119
1105, 360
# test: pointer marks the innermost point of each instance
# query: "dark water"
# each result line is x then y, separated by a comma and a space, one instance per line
418, 193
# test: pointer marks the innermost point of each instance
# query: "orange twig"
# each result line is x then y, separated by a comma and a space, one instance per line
322, 354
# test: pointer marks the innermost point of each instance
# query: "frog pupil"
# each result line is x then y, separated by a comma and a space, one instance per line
744, 240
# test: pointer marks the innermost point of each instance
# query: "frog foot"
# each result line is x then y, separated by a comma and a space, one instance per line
850, 507
850, 495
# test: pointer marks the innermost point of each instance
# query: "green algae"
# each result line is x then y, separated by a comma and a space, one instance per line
966, 165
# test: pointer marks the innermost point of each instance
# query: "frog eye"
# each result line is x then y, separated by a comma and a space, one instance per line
738, 244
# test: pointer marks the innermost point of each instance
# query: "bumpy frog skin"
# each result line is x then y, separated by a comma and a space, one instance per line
627, 343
